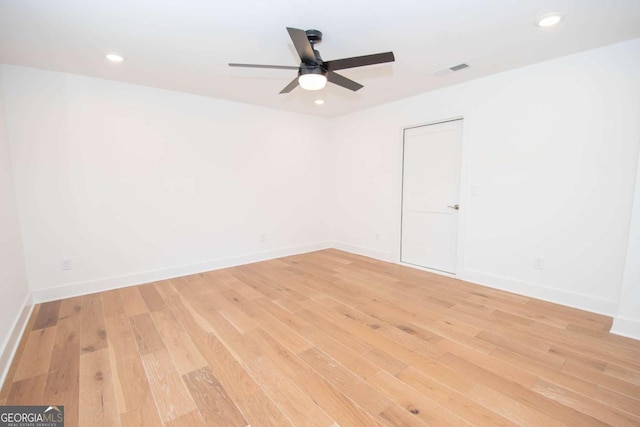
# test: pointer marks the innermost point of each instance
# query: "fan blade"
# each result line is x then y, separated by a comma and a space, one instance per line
359, 61
279, 67
343, 81
291, 86
302, 45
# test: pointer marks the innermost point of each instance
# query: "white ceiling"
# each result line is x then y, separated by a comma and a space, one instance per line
185, 45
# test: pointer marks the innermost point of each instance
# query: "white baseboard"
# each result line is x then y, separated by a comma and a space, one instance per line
360, 250
558, 296
100, 285
11, 345
626, 327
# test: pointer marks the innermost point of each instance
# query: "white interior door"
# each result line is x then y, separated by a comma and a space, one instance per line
430, 192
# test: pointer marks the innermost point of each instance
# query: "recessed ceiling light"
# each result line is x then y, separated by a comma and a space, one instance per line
319, 101
549, 20
113, 57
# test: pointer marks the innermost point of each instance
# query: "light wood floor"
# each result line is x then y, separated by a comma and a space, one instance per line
322, 339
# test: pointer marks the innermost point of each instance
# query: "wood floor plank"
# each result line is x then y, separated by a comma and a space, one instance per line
98, 405
260, 410
117, 383
589, 389
29, 391
212, 400
355, 332
546, 357
254, 404
130, 381
297, 406
622, 373
593, 321
146, 334
93, 334
132, 300
455, 402
192, 419
416, 403
293, 341
217, 280
64, 369
184, 353
625, 355
572, 356
560, 412
135, 400
362, 393
37, 354
70, 307
395, 415
151, 297
256, 407
325, 338
349, 357
121, 337
328, 397
182, 311
225, 367
244, 290
67, 340
511, 408
112, 304
492, 365
184, 286
235, 316
385, 361
236, 342
588, 406
48, 315
145, 414
602, 379
169, 391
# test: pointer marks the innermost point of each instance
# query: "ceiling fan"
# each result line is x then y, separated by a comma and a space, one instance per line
313, 72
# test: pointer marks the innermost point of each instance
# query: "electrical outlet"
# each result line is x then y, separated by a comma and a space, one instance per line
65, 264
538, 263
263, 238
377, 237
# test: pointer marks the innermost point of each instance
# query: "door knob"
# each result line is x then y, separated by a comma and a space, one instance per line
456, 206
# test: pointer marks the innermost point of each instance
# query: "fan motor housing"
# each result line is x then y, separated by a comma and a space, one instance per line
314, 36
311, 69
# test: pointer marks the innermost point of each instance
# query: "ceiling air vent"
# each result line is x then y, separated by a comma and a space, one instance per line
459, 67
450, 70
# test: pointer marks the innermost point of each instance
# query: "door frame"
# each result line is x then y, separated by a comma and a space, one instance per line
463, 191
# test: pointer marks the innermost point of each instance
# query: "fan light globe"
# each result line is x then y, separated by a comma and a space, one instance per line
312, 81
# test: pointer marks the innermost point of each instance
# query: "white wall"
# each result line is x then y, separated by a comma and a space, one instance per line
135, 184
627, 320
14, 300
552, 151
